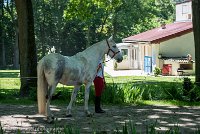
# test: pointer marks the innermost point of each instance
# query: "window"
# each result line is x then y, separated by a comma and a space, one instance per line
186, 66
124, 53
185, 9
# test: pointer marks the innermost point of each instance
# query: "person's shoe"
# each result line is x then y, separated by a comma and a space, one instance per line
99, 110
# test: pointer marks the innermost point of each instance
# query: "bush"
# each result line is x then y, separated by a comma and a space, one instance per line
173, 92
122, 93
157, 71
113, 93
132, 93
193, 94
151, 92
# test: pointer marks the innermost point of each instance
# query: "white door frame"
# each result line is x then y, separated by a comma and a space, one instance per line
134, 57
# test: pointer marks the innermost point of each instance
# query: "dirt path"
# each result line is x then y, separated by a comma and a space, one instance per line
22, 117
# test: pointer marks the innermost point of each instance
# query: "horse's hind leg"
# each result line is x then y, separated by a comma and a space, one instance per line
50, 117
73, 97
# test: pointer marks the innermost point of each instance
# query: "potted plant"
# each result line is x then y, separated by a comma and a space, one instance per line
157, 71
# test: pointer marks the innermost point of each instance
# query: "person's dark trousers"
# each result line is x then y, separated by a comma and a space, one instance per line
99, 87
98, 105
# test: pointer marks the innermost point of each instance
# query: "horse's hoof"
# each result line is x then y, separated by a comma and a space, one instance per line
69, 115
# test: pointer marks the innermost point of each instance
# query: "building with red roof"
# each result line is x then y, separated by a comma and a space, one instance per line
167, 47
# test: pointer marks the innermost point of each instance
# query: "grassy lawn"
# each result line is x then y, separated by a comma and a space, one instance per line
134, 86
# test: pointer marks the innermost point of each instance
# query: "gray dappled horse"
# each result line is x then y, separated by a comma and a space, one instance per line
74, 70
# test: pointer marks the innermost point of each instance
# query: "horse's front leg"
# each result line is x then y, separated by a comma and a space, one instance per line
87, 91
73, 97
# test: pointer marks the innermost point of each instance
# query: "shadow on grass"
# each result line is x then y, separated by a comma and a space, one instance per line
9, 74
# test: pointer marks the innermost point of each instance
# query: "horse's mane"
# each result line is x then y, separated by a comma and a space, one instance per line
87, 50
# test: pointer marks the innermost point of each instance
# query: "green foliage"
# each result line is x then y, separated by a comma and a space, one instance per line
7, 31
121, 93
115, 66
187, 86
113, 93
150, 92
132, 94
73, 25
157, 71
118, 90
173, 92
191, 92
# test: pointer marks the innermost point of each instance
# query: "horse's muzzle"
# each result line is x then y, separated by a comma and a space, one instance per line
119, 59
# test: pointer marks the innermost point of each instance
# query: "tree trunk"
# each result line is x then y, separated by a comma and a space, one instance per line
42, 32
3, 53
196, 30
27, 48
16, 50
2, 45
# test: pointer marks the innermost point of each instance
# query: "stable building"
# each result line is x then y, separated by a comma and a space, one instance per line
169, 47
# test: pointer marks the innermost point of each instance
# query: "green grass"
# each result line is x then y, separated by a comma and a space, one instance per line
142, 90
168, 102
9, 73
125, 79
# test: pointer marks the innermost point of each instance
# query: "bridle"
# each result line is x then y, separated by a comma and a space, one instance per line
114, 53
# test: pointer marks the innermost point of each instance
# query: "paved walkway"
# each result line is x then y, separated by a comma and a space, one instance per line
114, 73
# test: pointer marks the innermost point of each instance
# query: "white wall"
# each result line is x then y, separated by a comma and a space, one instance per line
184, 11
179, 46
125, 64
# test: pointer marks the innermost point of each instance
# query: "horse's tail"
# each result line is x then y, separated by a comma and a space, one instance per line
42, 88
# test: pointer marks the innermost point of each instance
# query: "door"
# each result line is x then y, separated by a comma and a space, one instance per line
134, 58
147, 64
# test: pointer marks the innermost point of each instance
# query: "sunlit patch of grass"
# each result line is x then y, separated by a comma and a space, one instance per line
9, 83
125, 79
167, 103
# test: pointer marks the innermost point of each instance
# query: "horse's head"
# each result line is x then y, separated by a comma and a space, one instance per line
113, 51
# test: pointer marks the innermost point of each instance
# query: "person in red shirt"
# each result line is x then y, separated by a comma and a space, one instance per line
99, 85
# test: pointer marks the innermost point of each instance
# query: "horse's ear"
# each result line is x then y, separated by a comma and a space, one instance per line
111, 38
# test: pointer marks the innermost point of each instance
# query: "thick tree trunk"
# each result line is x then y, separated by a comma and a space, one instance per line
196, 29
27, 48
